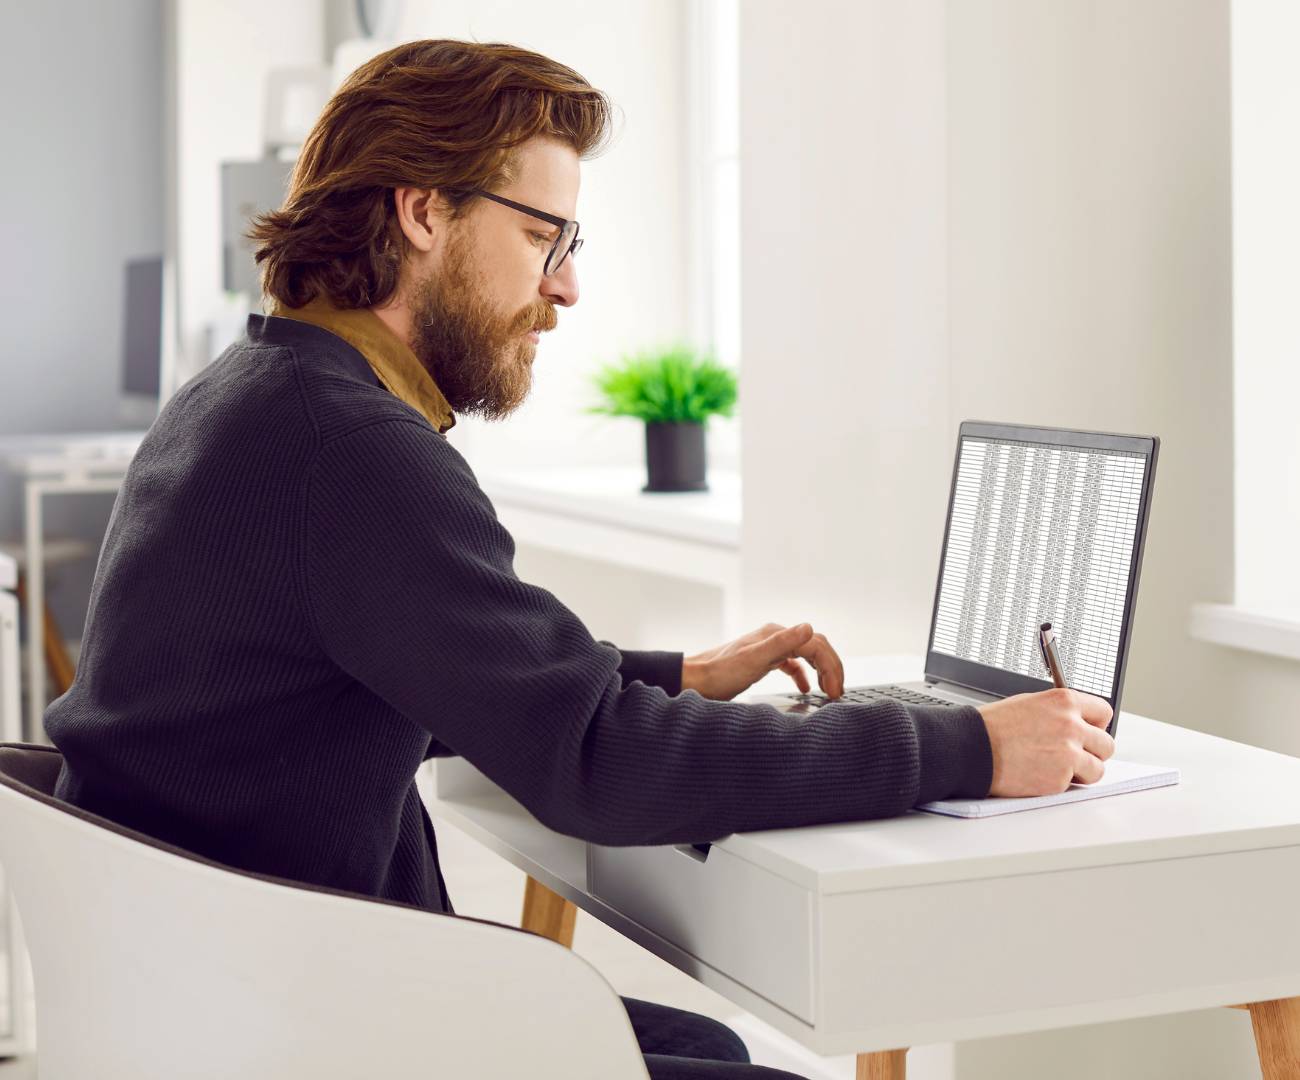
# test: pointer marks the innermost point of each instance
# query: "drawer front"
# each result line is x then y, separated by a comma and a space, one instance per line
997, 956
740, 919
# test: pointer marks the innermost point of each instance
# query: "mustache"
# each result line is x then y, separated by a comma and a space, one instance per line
543, 319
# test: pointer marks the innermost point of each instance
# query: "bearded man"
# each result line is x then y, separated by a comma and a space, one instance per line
303, 593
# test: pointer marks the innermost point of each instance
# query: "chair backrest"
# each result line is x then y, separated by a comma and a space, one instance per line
150, 962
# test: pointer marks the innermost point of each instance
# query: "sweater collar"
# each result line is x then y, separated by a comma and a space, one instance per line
389, 356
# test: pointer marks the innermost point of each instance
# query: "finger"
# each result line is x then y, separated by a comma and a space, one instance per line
798, 673
761, 634
830, 669
837, 669
1095, 710
1097, 741
783, 645
1087, 768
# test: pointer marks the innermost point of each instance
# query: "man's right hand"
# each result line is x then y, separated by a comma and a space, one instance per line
1044, 742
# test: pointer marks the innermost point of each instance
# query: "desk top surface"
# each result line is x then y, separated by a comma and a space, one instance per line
1231, 797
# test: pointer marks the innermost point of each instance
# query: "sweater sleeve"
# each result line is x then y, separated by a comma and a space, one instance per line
408, 578
661, 669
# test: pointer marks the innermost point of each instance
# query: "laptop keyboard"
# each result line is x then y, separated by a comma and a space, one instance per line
865, 695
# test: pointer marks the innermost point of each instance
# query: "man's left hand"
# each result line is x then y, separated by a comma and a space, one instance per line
724, 672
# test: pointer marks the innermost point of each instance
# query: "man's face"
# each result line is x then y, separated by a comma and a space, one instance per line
475, 311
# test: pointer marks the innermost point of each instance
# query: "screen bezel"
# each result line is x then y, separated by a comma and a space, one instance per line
997, 681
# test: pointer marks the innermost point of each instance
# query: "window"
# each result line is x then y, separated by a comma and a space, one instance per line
713, 110
1265, 613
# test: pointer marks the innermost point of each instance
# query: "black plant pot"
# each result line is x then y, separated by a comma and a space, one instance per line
674, 457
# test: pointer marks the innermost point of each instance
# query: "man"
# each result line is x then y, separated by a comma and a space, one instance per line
303, 592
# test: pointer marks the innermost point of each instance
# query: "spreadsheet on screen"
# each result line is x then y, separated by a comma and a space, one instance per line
1039, 533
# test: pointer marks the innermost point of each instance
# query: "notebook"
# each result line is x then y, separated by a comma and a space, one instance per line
1121, 777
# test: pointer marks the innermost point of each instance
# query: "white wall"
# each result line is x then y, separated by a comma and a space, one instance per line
846, 442
1266, 236
631, 205
81, 189
80, 194
221, 51
1080, 152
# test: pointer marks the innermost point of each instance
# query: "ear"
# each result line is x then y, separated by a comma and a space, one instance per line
422, 216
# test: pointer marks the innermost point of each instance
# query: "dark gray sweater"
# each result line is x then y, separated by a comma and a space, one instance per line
304, 593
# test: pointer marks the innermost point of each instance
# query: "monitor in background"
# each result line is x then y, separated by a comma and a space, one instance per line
142, 339
248, 188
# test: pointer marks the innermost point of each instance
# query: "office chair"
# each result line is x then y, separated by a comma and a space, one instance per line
151, 962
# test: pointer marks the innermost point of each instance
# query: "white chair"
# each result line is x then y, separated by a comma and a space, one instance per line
153, 964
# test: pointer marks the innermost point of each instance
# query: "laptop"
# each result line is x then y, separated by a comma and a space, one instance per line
1044, 525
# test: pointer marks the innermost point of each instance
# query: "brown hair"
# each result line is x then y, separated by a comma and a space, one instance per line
433, 114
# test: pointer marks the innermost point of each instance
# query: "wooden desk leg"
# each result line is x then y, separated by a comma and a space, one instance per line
57, 661
548, 913
883, 1065
1277, 1036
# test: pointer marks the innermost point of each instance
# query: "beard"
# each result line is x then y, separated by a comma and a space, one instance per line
479, 359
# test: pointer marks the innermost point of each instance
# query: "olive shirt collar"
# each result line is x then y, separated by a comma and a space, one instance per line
389, 356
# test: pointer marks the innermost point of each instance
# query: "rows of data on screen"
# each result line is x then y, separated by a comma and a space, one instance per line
1039, 534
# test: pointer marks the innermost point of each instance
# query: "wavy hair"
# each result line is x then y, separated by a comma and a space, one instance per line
432, 114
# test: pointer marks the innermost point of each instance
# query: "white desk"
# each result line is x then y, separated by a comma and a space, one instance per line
922, 929
65, 464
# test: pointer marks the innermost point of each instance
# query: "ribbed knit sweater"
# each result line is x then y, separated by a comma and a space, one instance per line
303, 593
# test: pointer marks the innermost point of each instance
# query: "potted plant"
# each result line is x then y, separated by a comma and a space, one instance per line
675, 390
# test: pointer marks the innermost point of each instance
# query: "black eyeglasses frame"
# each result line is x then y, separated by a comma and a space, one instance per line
575, 244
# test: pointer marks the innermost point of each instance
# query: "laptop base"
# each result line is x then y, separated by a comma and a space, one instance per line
910, 693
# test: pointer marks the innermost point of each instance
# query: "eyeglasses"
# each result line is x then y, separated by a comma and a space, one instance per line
566, 244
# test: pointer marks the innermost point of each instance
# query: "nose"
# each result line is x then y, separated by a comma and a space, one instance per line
562, 286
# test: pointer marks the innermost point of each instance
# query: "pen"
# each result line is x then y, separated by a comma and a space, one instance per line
1047, 645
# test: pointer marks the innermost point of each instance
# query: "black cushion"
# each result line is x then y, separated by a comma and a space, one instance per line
35, 767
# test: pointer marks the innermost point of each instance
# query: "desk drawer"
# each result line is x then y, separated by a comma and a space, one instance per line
738, 918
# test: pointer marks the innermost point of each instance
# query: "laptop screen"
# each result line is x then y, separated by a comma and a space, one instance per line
1044, 525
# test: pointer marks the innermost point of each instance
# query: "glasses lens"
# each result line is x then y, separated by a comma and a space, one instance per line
561, 247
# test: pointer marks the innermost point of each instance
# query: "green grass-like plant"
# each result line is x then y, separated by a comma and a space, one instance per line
674, 384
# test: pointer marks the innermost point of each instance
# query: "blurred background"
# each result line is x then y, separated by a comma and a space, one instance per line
885, 217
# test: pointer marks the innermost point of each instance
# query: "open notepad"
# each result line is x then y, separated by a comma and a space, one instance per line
1120, 777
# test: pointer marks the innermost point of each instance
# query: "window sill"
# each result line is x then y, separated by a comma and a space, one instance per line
600, 513
1240, 628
